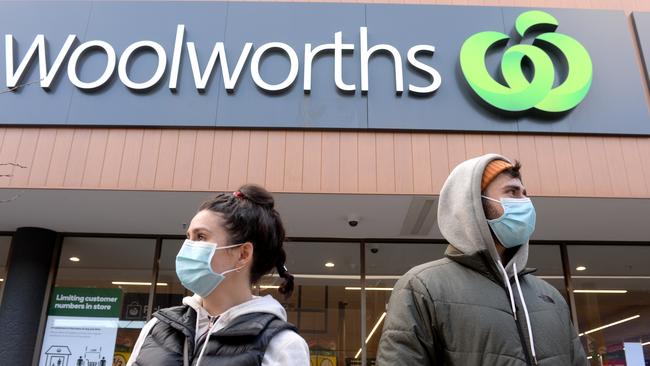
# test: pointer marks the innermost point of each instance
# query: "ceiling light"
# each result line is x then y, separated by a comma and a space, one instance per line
74, 259
596, 277
370, 288
645, 344
610, 325
2, 279
268, 287
600, 291
137, 283
329, 265
372, 332
343, 277
397, 277
581, 268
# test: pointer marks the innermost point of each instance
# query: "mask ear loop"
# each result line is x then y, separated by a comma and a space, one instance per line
499, 202
224, 273
491, 199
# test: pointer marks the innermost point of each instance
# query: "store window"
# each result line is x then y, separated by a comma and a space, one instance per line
99, 302
385, 264
170, 291
5, 244
326, 304
547, 260
612, 292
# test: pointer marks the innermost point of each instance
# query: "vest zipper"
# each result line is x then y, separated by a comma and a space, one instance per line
203, 337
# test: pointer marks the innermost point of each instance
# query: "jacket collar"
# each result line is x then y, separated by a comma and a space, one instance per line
181, 318
481, 262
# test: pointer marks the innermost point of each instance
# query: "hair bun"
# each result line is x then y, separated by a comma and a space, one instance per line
257, 195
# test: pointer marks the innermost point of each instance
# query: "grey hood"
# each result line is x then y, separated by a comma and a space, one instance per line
461, 219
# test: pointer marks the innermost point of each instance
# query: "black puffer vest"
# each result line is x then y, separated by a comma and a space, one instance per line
241, 343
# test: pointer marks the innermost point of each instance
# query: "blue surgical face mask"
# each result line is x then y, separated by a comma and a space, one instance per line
517, 223
194, 268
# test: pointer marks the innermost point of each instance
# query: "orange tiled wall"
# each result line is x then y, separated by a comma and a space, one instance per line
313, 161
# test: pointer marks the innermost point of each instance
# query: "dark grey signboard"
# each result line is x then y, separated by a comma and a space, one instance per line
293, 65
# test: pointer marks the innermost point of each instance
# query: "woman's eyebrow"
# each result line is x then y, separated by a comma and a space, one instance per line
197, 229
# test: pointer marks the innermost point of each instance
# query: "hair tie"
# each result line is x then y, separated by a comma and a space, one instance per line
238, 194
282, 270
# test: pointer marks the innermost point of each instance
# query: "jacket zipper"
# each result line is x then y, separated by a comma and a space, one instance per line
522, 339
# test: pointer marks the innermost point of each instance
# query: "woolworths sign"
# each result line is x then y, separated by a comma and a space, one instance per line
521, 94
356, 66
246, 58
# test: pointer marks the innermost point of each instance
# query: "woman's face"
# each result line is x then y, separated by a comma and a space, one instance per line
208, 226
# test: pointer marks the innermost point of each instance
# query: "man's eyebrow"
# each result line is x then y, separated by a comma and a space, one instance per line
513, 186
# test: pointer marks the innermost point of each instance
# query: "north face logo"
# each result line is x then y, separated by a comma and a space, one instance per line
547, 299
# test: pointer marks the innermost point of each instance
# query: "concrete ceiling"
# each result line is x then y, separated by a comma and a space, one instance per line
310, 215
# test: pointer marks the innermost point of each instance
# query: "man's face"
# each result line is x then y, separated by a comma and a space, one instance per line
503, 186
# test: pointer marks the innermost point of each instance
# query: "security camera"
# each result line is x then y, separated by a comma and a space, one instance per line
353, 220
374, 250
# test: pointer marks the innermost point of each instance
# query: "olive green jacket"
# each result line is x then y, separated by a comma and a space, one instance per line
457, 311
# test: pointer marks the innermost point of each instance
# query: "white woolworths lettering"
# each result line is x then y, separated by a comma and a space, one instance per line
435, 75
338, 47
108, 71
13, 77
160, 70
201, 77
293, 70
365, 58
219, 52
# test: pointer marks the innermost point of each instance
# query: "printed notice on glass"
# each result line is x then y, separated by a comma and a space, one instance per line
81, 327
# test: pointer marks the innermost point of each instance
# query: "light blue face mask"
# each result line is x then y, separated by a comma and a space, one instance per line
194, 269
517, 223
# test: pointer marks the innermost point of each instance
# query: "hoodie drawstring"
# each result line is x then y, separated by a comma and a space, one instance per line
507, 282
523, 304
207, 340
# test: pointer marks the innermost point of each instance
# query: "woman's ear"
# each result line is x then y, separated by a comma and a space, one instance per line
246, 254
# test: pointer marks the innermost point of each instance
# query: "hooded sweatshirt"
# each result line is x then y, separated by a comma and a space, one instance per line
286, 348
469, 308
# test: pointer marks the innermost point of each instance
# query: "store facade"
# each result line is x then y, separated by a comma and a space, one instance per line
119, 118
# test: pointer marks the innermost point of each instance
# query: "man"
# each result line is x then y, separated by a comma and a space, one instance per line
480, 305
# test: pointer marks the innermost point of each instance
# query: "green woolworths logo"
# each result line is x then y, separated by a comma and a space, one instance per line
521, 94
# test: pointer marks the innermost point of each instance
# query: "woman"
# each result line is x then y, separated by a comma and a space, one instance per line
233, 240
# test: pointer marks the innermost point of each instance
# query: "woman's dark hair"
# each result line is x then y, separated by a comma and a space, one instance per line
250, 216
